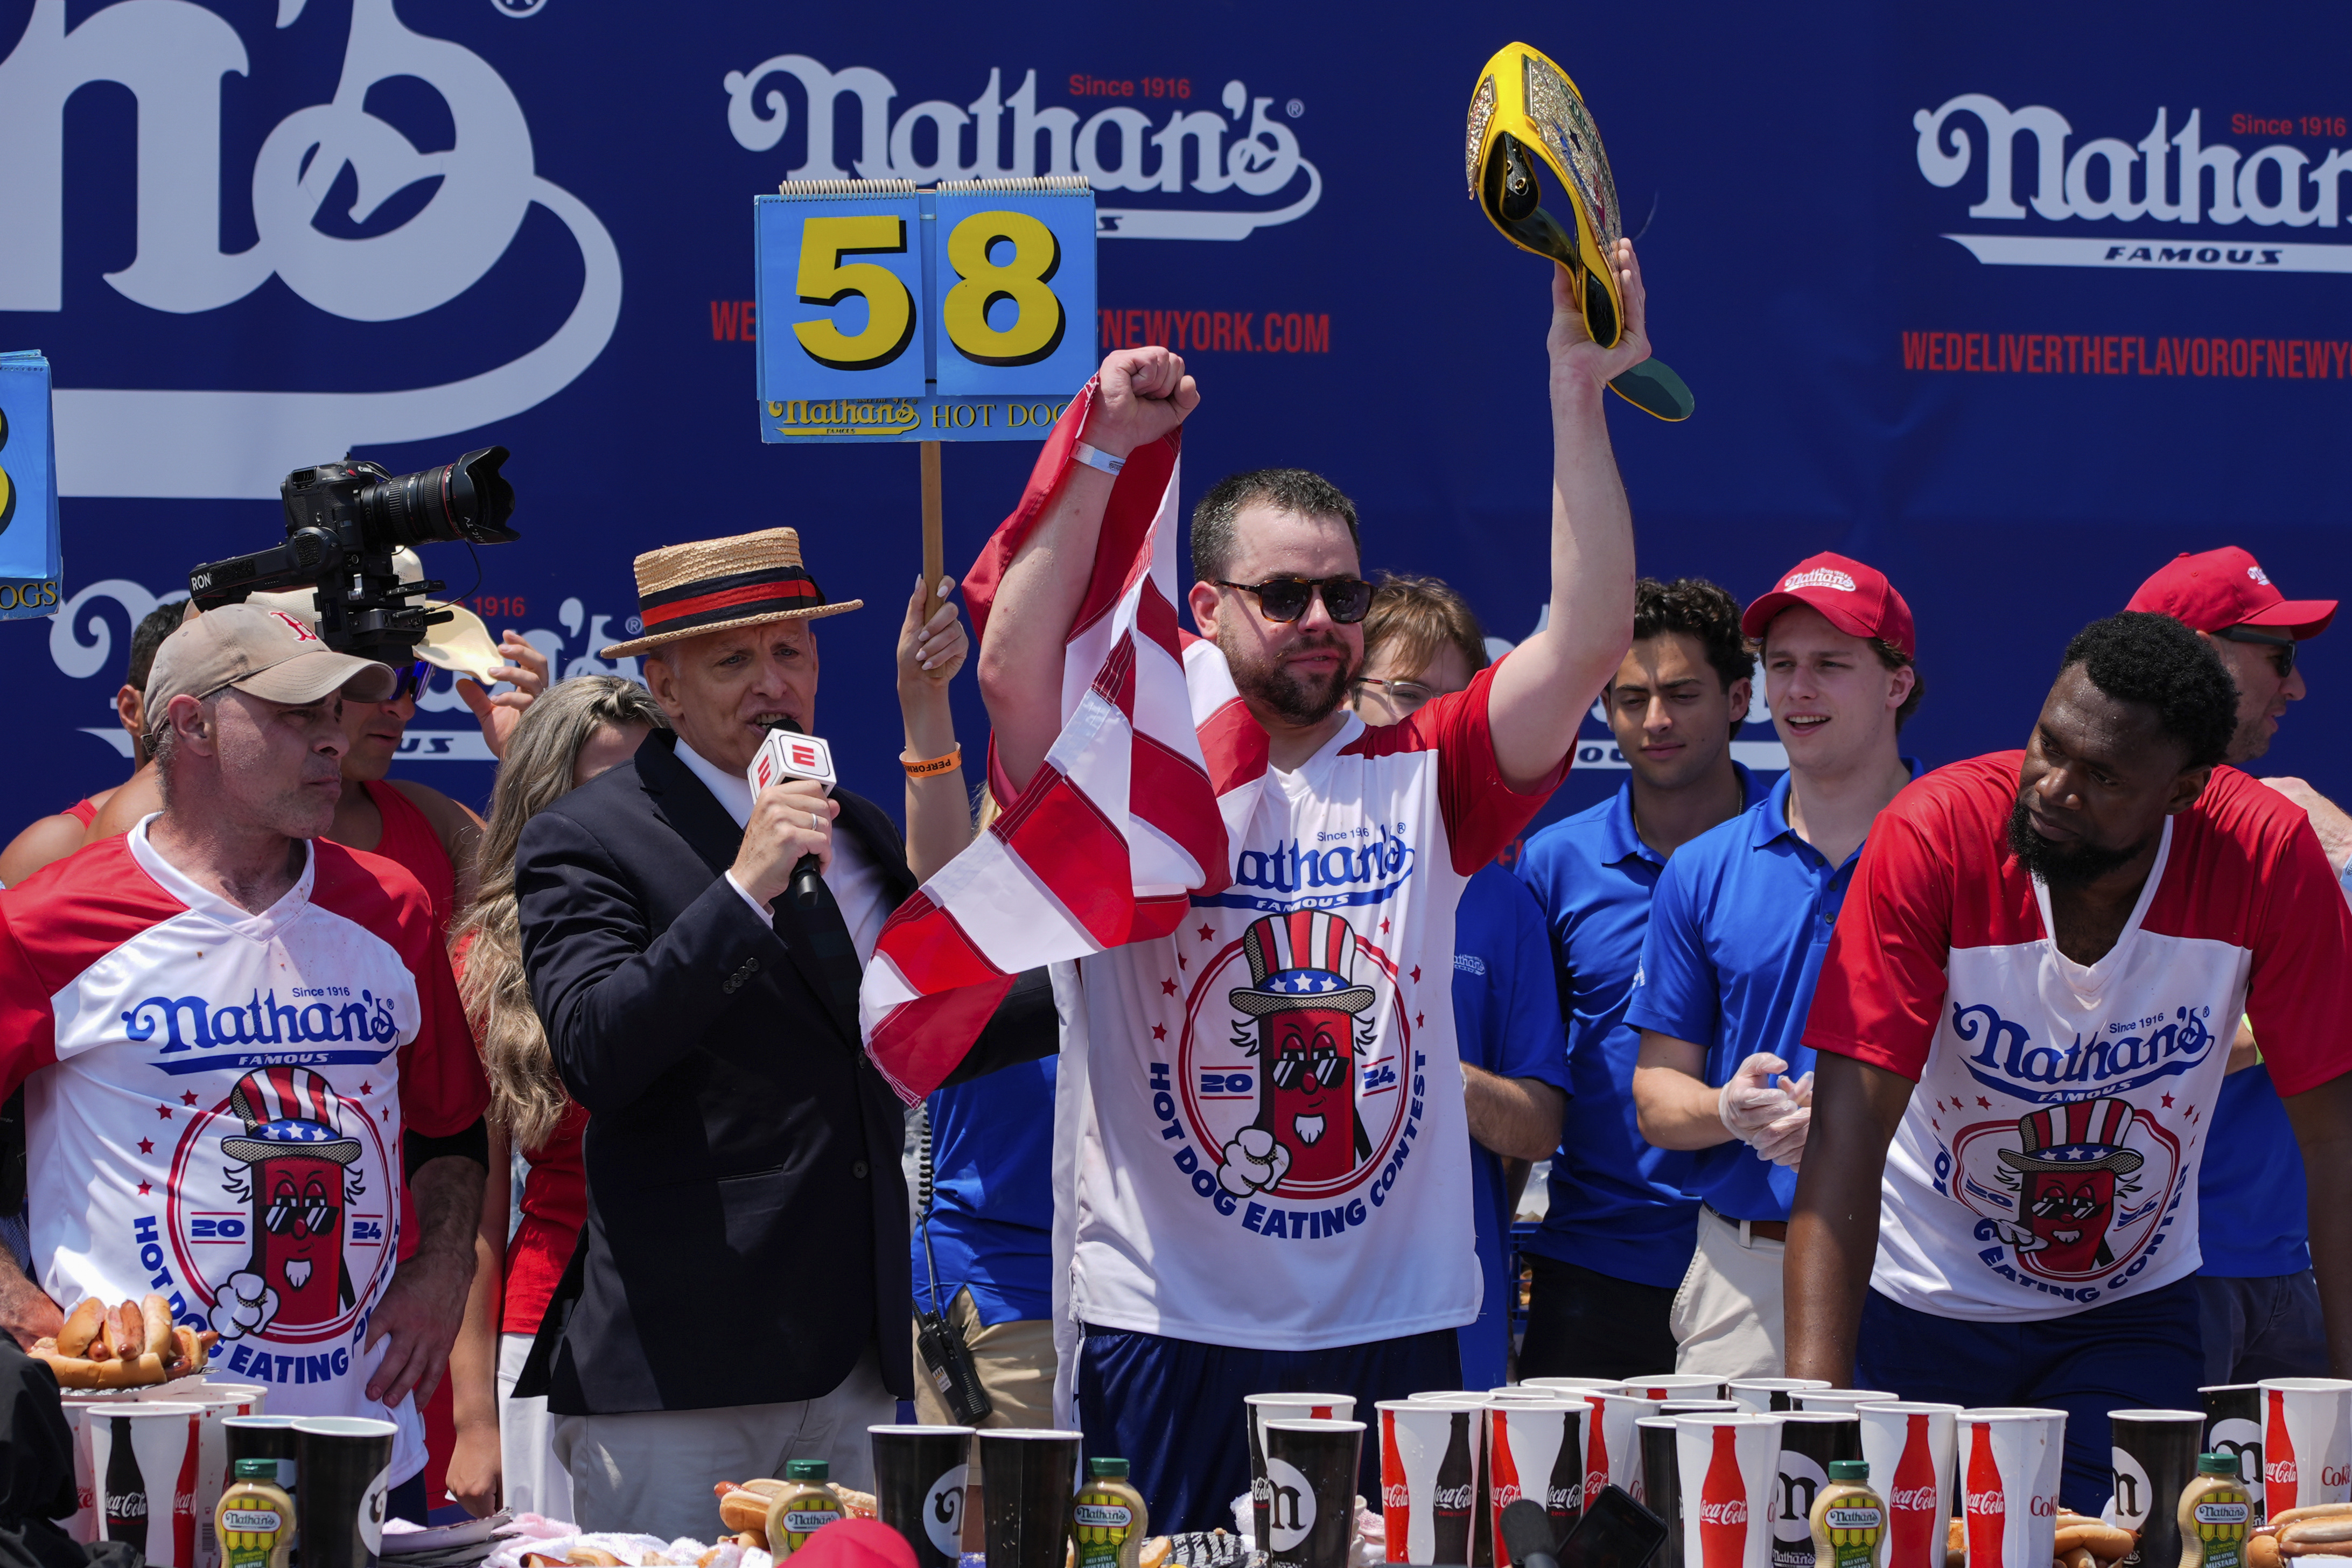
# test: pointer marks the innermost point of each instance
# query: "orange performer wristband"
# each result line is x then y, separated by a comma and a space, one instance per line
934, 767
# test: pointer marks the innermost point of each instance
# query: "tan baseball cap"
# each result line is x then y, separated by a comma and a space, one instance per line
266, 652
461, 643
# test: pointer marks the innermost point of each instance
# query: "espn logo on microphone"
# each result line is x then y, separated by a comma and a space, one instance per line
785, 755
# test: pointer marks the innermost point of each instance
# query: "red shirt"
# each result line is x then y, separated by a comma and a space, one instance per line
554, 1207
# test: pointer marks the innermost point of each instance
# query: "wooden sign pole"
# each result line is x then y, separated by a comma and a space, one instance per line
934, 552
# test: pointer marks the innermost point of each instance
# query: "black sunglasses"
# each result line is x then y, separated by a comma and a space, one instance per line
1283, 599
2283, 648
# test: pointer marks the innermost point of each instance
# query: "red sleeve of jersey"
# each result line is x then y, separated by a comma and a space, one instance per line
442, 1091
1883, 984
1482, 811
29, 1034
2300, 991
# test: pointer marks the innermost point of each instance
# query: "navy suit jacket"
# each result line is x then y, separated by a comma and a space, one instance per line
746, 1237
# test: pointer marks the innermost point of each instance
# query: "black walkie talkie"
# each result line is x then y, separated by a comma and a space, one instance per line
940, 1343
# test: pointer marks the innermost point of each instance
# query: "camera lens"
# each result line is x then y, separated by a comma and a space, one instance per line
466, 499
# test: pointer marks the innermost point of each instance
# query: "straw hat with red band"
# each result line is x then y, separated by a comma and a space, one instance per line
717, 584
2216, 589
1856, 599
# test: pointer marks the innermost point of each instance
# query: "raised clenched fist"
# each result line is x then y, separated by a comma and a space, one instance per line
1253, 1162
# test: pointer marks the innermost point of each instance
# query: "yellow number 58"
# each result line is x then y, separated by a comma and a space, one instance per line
1038, 321
826, 279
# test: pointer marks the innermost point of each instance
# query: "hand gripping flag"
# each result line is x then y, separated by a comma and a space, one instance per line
1156, 768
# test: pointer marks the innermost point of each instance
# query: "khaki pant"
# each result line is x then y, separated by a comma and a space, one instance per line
1727, 1318
650, 1472
1016, 1362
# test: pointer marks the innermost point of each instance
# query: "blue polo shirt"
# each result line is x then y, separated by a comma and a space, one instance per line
993, 1194
1617, 1204
1738, 926
1507, 1019
2252, 1220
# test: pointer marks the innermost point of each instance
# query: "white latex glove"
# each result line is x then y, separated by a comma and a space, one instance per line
1783, 1143
1769, 1118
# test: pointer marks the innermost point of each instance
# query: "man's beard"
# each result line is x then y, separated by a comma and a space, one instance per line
1290, 696
2077, 865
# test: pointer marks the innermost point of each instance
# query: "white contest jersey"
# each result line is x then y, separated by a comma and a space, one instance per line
2048, 1160
214, 1101
1274, 1149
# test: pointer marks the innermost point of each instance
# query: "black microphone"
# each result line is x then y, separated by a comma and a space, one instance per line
1527, 1537
803, 757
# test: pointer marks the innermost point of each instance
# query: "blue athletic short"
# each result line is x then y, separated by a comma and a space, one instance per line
2144, 1352
1172, 1409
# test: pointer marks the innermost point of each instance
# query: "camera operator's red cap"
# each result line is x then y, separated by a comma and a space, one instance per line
266, 652
2216, 589
1856, 599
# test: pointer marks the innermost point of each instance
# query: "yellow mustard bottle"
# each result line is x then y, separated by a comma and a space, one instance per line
1107, 1519
254, 1521
1849, 1520
805, 1506
2216, 1515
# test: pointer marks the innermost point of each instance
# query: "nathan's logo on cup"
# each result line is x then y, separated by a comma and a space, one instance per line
1290, 1506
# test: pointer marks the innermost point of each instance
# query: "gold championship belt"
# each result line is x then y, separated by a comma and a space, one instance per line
1527, 123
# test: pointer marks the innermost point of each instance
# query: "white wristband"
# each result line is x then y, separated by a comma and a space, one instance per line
1095, 458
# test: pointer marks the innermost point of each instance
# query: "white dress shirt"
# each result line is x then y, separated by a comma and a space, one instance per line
853, 877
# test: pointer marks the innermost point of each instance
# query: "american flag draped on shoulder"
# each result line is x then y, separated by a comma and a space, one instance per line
1156, 765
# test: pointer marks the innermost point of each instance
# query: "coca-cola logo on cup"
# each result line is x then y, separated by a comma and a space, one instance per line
2335, 1475
1566, 1500
1907, 1499
1988, 1502
2280, 1472
2044, 1506
1450, 1498
1733, 1510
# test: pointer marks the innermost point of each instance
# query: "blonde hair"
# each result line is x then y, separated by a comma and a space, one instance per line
527, 1095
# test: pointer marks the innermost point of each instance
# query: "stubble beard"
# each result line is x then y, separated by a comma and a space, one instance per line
1292, 697
2058, 865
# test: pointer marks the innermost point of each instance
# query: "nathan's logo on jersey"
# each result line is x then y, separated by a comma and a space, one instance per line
1341, 870
2072, 1193
319, 1015
1290, 1080
297, 1259
2122, 1058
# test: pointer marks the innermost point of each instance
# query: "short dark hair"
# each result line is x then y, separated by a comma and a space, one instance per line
148, 636
1284, 490
1696, 608
1422, 614
2158, 663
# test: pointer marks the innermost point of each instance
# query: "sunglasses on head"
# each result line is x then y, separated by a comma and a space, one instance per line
1283, 599
2282, 648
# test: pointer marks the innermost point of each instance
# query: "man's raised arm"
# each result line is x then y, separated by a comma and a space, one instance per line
1143, 394
1540, 693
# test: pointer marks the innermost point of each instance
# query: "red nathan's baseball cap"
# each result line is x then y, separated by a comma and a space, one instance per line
1856, 599
2214, 589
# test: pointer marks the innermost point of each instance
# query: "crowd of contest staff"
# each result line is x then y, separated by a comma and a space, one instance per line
1631, 992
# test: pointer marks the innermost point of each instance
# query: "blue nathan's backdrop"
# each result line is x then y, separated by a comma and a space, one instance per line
2014, 303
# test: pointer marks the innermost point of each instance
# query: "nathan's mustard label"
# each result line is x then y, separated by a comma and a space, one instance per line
2216, 1515
803, 1509
254, 1521
1849, 1520
1107, 1519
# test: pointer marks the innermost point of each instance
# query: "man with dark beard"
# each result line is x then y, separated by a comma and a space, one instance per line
2030, 998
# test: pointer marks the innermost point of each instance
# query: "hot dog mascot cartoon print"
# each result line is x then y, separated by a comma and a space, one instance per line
2062, 1195
1303, 1017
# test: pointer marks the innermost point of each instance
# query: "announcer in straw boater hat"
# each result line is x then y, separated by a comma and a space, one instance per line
741, 1156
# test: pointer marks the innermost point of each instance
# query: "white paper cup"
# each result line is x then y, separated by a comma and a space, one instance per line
143, 1456
1429, 1478
2010, 1458
1612, 1448
1536, 1451
1912, 1451
1840, 1398
1729, 1468
2303, 1438
1258, 1409
1675, 1385
219, 1401
1764, 1395
79, 1403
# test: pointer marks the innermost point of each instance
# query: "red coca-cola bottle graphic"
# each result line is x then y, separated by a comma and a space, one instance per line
1916, 1531
1396, 1498
1723, 1505
2279, 1473
1988, 1508
1596, 1452
183, 1496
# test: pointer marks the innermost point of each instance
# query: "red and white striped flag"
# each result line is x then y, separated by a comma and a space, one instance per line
1158, 765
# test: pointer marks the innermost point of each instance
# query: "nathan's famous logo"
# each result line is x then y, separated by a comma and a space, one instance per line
1290, 1068
1360, 866
2168, 176
314, 1015
1247, 156
2121, 1059
2074, 1192
172, 59
266, 1223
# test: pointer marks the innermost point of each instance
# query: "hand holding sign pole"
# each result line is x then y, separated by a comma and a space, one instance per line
962, 313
